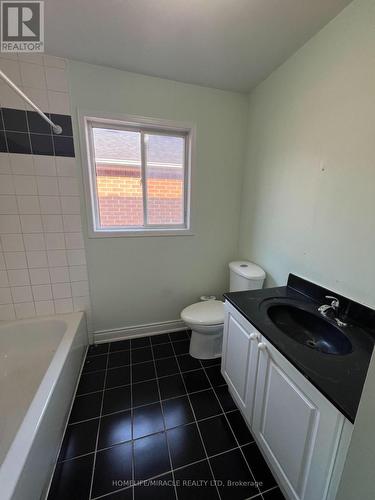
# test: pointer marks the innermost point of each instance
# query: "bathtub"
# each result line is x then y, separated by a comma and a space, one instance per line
40, 362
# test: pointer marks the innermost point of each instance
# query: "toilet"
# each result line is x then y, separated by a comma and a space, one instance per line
206, 318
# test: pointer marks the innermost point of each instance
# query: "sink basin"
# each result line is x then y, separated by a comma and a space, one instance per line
309, 329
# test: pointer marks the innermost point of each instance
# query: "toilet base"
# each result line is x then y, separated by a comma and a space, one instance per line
206, 345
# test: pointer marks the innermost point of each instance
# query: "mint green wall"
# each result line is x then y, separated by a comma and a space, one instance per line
308, 200
357, 481
137, 281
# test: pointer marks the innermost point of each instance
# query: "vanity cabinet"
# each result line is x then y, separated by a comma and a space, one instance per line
302, 435
240, 360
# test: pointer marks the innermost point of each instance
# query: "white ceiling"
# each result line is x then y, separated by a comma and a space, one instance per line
226, 44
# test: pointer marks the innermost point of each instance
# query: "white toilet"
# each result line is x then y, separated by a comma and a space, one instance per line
206, 318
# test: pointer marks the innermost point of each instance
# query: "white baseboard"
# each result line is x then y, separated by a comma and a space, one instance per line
130, 332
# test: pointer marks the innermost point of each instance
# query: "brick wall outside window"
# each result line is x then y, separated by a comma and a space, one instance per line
120, 195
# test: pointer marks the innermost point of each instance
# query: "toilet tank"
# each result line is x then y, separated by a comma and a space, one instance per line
245, 275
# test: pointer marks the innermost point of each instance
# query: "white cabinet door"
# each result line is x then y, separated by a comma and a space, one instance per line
240, 359
297, 428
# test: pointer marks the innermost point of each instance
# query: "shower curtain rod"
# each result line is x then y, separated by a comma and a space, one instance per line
56, 128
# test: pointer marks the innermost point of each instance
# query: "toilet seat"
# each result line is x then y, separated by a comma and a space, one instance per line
209, 312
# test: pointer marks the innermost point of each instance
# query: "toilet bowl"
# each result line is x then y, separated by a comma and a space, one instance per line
206, 318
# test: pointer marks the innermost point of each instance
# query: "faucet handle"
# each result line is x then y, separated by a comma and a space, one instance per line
335, 301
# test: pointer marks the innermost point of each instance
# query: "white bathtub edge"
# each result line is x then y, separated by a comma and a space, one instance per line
18, 454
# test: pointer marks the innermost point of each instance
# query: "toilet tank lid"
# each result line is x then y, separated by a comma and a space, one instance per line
247, 269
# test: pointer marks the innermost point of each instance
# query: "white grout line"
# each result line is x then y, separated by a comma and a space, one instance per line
131, 409
235, 437
153, 433
142, 381
98, 431
196, 423
131, 418
257, 495
147, 404
165, 429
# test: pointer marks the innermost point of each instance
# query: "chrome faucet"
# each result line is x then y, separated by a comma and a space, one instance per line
334, 306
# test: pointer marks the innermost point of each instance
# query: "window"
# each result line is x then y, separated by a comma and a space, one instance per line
138, 176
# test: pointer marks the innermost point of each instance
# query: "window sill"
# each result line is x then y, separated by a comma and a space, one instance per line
139, 233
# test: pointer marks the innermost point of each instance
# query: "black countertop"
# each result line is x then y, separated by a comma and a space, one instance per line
339, 377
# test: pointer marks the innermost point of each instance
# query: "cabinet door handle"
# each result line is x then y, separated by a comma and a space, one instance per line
262, 346
253, 336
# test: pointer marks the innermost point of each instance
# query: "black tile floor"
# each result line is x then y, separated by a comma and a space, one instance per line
151, 422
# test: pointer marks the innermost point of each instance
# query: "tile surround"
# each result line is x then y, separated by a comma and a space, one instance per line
50, 95
26, 132
42, 259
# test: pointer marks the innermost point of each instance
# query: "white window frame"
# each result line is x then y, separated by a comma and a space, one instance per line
142, 125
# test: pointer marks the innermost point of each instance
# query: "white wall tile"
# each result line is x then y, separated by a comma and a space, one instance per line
4, 164
47, 186
61, 290
82, 304
25, 310
44, 308
10, 224
31, 223
4, 282
54, 62
32, 75
34, 242
12, 242
9, 55
5, 296
66, 167
38, 96
78, 273
39, 276
50, 205
58, 102
80, 288
68, 186
31, 58
8, 204
21, 164
76, 257
52, 223
72, 223
74, 240
56, 79
21, 294
15, 260
63, 306
59, 274
18, 277
57, 258
9, 99
25, 184
42, 292
40, 221
11, 69
37, 259
6, 184
70, 204
44, 165
7, 312
28, 204
55, 241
